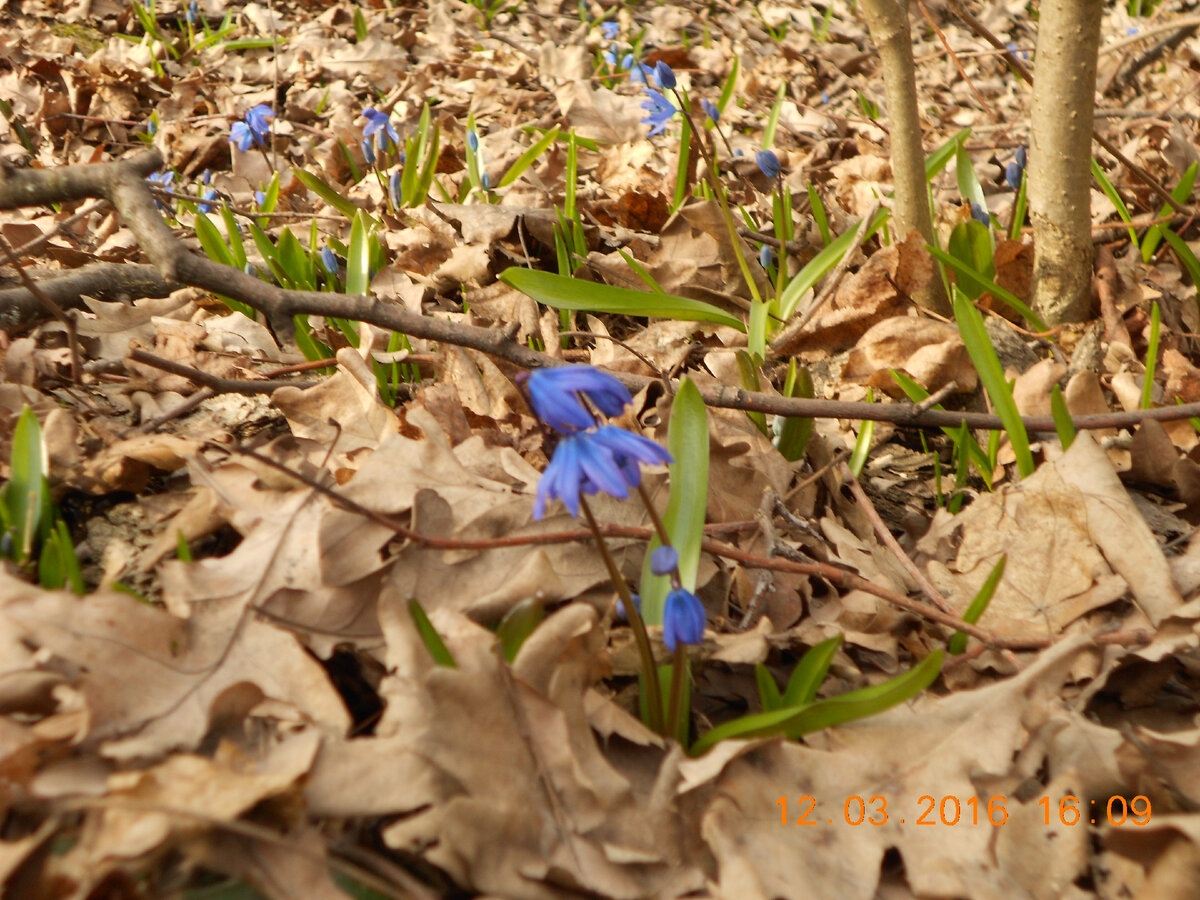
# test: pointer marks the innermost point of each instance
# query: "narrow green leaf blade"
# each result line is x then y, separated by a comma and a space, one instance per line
810, 672
429, 636
564, 292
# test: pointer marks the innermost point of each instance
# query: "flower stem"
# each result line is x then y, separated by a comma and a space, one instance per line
679, 681
650, 670
659, 528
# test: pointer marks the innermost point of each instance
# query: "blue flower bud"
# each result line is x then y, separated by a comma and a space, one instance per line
664, 75
485, 180
766, 256
329, 260
394, 191
768, 163
664, 560
627, 61
979, 214
472, 140
609, 29
710, 110
683, 619
260, 198
368, 150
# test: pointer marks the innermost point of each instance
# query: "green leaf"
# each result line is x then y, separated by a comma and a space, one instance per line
748, 373
429, 636
862, 445
821, 264
1006, 297
358, 258
525, 160
564, 292
768, 137
1151, 356
968, 185
296, 263
234, 236
360, 25
1186, 257
326, 193
309, 345
810, 672
939, 158
991, 375
971, 244
975, 453
518, 624
687, 441
58, 565
211, 240
1180, 194
1115, 197
797, 721
1062, 418
27, 494
768, 690
797, 430
958, 640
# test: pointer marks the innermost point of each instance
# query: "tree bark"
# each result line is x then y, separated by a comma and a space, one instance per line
887, 21
1060, 177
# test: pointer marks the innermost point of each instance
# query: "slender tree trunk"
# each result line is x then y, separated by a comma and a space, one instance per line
1064, 87
887, 20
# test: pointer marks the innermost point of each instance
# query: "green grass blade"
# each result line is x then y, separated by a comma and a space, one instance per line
862, 446
768, 690
1109, 189
27, 494
687, 441
326, 193
525, 160
991, 374
1151, 356
773, 119
1062, 418
821, 264
975, 453
939, 158
358, 258
848, 707
748, 373
1180, 194
1187, 258
958, 640
518, 624
1006, 297
796, 430
564, 292
971, 244
810, 672
429, 636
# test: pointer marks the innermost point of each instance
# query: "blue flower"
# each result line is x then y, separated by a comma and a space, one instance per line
629, 450
640, 73
485, 180
472, 140
627, 61
554, 396
329, 260
368, 150
163, 181
210, 194
683, 619
766, 256
610, 56
151, 127
1021, 156
665, 76
260, 199
254, 128
768, 163
588, 462
394, 191
664, 560
621, 614
609, 29
379, 123
193, 11
980, 215
1012, 174
660, 110
710, 110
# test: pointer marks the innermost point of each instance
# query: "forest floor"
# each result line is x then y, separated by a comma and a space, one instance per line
216, 680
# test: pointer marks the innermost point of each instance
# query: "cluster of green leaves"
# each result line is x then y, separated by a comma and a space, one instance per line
194, 36
32, 533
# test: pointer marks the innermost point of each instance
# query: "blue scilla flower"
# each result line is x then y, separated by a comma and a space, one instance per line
710, 110
661, 110
162, 180
554, 396
640, 73
473, 140
485, 180
664, 75
379, 125
193, 12
629, 451
1012, 174
368, 150
609, 30
683, 619
766, 256
587, 462
627, 62
768, 163
329, 260
210, 194
394, 190
610, 56
980, 215
260, 199
664, 560
253, 129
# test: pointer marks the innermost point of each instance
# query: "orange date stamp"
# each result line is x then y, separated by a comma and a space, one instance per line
949, 810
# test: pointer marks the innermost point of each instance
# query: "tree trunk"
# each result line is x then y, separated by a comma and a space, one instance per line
1060, 176
887, 20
